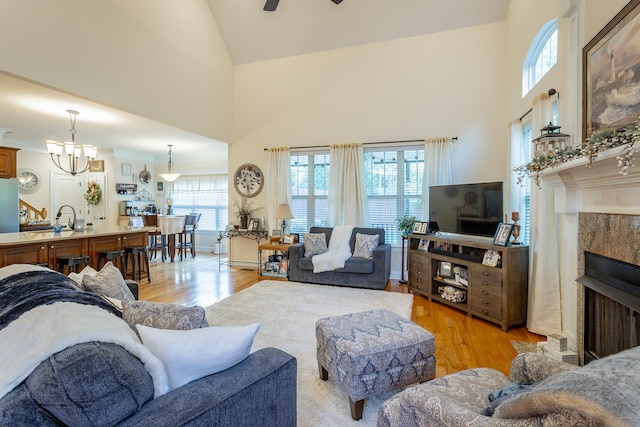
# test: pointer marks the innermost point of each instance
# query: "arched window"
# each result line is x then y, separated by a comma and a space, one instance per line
542, 56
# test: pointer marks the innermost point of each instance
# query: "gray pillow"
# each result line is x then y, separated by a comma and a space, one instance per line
163, 316
365, 244
108, 282
314, 244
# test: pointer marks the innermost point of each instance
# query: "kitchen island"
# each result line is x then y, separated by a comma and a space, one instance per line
43, 247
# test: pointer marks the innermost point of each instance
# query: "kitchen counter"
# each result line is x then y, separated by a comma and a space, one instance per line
65, 234
44, 246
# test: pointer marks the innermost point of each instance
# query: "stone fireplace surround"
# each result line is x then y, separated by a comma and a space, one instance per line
598, 210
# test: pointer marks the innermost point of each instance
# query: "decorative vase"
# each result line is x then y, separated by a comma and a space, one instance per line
244, 221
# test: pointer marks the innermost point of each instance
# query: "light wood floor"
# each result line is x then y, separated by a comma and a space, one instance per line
461, 342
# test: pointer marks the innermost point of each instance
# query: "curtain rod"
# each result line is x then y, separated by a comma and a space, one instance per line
454, 138
525, 114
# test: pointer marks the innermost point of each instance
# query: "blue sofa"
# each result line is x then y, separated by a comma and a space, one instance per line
357, 272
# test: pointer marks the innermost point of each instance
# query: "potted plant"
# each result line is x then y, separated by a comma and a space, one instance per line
405, 224
244, 210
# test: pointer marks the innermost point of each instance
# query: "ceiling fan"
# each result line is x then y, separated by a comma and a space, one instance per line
271, 5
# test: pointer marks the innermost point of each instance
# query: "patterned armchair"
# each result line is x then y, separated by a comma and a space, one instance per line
604, 392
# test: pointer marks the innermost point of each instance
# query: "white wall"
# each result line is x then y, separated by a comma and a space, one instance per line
444, 84
160, 59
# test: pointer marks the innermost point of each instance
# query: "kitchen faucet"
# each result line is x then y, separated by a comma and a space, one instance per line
72, 224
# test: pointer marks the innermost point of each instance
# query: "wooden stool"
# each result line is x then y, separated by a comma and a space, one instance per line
136, 254
111, 256
72, 262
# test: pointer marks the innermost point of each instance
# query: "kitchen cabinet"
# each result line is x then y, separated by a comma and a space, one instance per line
33, 253
8, 168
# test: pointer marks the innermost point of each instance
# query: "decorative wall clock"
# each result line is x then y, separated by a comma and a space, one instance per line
248, 180
28, 181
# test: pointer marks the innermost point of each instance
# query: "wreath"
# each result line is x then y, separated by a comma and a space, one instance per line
94, 193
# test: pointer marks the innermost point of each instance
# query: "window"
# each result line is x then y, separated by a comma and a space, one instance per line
310, 182
205, 194
542, 56
394, 187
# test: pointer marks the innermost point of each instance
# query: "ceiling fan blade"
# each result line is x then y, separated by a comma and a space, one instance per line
271, 5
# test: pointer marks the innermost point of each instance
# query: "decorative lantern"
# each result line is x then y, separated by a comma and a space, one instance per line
550, 141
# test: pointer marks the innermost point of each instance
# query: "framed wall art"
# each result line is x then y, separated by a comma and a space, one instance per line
611, 66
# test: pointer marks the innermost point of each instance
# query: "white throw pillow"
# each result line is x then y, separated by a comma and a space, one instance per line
196, 353
109, 282
365, 244
314, 244
77, 277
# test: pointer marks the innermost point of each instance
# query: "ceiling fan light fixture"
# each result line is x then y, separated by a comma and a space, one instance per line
337, 1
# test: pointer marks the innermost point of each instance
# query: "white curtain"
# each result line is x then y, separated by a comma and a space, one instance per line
516, 194
544, 314
347, 198
438, 170
209, 182
278, 182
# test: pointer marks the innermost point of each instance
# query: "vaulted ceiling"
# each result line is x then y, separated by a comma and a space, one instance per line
296, 27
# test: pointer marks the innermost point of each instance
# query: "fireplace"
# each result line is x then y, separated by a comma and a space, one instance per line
611, 306
609, 285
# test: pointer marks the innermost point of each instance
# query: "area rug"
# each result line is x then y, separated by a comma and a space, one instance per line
287, 313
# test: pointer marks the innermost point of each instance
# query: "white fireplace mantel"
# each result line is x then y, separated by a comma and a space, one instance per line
578, 188
597, 188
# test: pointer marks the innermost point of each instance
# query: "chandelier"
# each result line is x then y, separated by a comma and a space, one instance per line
170, 176
73, 151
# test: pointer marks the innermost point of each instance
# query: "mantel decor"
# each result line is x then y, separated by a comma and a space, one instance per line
595, 144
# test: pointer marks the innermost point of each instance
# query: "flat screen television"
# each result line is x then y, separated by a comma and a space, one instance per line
474, 208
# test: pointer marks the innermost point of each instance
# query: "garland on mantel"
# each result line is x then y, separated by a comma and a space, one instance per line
597, 143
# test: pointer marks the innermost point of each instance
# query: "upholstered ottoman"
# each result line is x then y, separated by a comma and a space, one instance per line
373, 352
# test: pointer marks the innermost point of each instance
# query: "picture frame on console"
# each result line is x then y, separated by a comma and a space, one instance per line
613, 50
503, 234
417, 227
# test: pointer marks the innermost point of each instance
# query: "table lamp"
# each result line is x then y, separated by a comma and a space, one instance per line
283, 213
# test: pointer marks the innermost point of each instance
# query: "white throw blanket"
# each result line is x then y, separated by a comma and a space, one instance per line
339, 250
48, 329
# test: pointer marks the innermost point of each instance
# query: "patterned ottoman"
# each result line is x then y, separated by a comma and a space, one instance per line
373, 352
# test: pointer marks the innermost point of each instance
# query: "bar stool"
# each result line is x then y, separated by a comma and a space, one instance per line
135, 254
112, 256
72, 262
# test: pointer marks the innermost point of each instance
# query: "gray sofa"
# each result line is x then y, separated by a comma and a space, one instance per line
357, 272
102, 384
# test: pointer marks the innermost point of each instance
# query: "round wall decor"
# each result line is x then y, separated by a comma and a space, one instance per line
248, 180
145, 176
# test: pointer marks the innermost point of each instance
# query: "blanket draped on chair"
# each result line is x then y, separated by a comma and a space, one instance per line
43, 312
339, 250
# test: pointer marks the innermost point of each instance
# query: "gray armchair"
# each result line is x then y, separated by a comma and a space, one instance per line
604, 392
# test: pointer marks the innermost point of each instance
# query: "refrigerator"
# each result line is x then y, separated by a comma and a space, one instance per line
9, 206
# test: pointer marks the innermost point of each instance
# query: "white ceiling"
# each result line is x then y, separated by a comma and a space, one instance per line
31, 112
298, 27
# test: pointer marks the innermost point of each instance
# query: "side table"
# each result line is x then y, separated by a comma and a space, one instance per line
283, 248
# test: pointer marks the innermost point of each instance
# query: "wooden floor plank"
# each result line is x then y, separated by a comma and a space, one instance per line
461, 342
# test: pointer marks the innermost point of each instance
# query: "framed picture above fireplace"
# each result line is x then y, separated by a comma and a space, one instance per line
611, 66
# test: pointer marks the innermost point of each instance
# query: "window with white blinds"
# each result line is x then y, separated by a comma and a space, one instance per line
525, 226
205, 194
394, 187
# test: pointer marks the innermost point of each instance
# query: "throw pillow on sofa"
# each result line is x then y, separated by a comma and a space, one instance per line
365, 245
190, 355
163, 316
314, 244
108, 282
